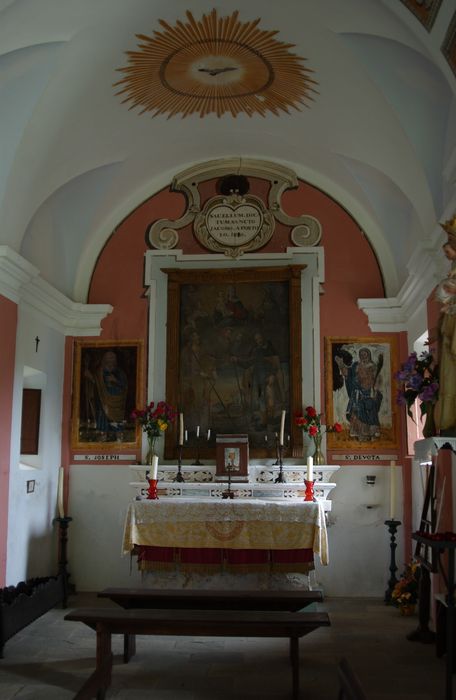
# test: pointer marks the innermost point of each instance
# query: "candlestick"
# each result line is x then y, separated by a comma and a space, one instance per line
392, 526
309, 468
280, 479
181, 429
392, 489
60, 506
154, 467
152, 494
282, 428
309, 494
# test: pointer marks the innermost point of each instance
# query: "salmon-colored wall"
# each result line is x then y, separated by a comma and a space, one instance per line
351, 272
351, 268
8, 315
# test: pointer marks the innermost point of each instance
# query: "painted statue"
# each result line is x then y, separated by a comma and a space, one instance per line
446, 294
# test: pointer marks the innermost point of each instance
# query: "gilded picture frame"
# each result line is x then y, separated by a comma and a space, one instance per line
361, 392
234, 355
107, 387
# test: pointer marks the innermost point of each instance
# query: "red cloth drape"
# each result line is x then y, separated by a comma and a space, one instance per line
211, 560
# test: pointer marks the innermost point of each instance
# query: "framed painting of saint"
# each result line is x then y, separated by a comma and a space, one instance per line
361, 392
234, 353
106, 389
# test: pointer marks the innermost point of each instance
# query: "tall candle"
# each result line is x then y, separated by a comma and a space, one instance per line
392, 489
60, 494
282, 428
310, 468
154, 467
197, 431
186, 436
209, 434
181, 428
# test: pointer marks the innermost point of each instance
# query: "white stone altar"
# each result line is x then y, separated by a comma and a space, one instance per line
199, 482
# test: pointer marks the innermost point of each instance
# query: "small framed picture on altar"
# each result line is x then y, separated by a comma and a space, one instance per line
232, 457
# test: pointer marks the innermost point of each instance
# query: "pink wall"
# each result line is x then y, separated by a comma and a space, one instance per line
8, 315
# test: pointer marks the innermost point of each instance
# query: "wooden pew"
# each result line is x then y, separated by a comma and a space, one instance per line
192, 623
193, 599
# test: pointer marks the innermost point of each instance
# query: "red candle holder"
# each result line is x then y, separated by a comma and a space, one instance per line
152, 494
309, 495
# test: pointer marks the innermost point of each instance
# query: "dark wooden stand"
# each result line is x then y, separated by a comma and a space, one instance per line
392, 529
63, 562
439, 547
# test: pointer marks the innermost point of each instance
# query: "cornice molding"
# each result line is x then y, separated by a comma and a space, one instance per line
395, 314
21, 283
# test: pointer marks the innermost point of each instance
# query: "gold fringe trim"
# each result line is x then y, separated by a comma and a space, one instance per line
292, 568
156, 566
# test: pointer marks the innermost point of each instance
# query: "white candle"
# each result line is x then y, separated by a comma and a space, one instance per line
282, 428
186, 436
154, 467
60, 494
208, 433
181, 428
392, 489
197, 431
310, 468
265, 438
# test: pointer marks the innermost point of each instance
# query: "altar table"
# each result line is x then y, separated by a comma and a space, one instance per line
242, 536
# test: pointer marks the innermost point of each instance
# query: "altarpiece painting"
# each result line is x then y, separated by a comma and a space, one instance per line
234, 353
360, 392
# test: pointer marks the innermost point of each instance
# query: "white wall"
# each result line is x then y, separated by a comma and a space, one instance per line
358, 539
32, 541
359, 542
99, 498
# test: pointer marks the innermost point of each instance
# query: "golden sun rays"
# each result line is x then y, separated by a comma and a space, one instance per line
215, 65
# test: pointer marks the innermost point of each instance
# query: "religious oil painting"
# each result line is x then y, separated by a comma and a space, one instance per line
231, 368
106, 389
361, 392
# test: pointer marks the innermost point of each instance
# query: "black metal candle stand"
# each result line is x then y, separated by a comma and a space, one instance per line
179, 476
228, 493
197, 462
280, 479
392, 526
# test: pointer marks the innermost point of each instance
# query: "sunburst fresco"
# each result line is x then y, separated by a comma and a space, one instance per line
215, 65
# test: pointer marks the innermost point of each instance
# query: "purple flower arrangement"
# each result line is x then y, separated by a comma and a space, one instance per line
418, 379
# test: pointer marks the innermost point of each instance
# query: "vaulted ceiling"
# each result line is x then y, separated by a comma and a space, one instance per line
376, 129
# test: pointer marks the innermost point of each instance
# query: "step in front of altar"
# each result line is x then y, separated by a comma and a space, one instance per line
200, 481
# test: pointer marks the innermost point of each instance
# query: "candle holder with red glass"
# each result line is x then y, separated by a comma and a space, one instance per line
309, 493
152, 493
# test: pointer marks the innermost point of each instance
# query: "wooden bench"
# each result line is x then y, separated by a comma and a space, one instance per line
192, 623
178, 599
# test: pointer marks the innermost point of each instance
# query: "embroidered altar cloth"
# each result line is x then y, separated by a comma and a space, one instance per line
229, 524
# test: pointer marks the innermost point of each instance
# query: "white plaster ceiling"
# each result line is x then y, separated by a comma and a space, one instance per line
380, 136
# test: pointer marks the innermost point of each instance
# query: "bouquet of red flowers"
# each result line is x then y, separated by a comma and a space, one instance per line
155, 419
310, 423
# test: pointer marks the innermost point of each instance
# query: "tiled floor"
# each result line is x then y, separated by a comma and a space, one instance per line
51, 658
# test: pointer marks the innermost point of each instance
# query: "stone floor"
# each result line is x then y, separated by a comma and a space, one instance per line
51, 658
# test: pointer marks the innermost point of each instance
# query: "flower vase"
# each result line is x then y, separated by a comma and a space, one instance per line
150, 451
407, 609
429, 429
318, 457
